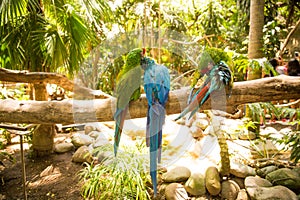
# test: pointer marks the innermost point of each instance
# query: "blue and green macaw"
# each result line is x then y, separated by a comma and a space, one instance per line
157, 87
128, 89
218, 78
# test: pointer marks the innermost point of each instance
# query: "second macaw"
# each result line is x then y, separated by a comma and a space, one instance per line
157, 87
218, 78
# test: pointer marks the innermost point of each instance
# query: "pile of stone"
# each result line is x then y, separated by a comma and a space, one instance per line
244, 183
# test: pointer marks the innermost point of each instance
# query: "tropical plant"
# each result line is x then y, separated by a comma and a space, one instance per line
258, 111
271, 39
46, 36
291, 142
123, 177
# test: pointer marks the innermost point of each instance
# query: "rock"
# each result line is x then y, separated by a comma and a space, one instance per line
256, 181
267, 132
230, 190
286, 131
264, 171
196, 132
240, 182
212, 181
101, 140
105, 157
94, 134
63, 147
195, 185
82, 155
241, 170
271, 193
242, 195
297, 170
285, 177
248, 135
89, 128
177, 174
79, 139
202, 123
176, 191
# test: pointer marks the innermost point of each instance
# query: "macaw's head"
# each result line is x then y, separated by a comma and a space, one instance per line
146, 62
133, 58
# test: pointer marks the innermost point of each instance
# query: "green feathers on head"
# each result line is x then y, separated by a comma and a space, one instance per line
132, 60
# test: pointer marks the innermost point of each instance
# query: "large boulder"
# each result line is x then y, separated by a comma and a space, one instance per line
266, 170
230, 190
176, 191
241, 170
262, 189
80, 139
285, 177
212, 181
63, 147
256, 181
178, 174
195, 185
82, 154
278, 192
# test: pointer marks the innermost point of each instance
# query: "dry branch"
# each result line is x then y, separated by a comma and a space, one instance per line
81, 111
47, 77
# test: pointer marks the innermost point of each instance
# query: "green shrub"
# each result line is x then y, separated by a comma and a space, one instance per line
121, 177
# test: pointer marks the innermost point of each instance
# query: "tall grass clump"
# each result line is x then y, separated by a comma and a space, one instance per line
121, 177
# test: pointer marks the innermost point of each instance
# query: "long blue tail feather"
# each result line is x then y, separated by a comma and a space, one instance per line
156, 118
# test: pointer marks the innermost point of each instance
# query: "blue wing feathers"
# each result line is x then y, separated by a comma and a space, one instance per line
157, 87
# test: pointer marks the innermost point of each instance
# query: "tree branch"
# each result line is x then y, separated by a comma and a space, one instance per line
82, 111
48, 77
289, 37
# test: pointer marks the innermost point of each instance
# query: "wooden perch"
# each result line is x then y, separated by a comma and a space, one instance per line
82, 111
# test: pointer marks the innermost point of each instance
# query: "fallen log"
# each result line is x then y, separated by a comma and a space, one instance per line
82, 111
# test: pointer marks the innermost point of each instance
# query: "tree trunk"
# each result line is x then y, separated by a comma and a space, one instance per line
43, 136
255, 48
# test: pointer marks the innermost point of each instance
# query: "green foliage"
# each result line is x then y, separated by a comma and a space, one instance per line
48, 35
271, 39
123, 177
291, 113
6, 136
213, 55
259, 110
5, 155
292, 142
17, 93
240, 64
212, 18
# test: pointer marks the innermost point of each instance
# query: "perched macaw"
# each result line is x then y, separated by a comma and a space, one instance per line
219, 77
128, 89
157, 87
